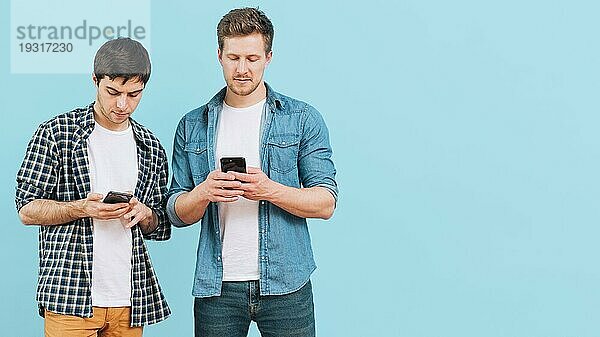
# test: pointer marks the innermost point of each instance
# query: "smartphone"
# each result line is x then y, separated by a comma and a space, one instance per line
236, 164
116, 197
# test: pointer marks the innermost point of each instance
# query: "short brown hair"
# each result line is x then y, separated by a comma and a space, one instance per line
122, 57
245, 21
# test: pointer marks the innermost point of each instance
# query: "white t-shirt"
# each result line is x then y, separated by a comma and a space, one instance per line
113, 167
239, 136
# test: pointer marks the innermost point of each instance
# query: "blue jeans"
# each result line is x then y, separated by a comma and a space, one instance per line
230, 314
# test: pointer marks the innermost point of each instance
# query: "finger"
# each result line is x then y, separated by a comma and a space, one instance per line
247, 187
251, 197
94, 196
113, 215
139, 216
253, 170
245, 177
113, 207
229, 184
130, 214
226, 199
136, 219
118, 212
228, 193
223, 176
133, 201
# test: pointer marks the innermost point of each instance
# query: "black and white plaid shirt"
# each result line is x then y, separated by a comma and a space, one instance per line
56, 167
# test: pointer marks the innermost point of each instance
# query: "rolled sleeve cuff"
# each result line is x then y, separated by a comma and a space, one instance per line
175, 220
26, 193
162, 231
332, 189
20, 203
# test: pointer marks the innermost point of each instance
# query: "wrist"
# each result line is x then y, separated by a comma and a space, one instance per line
77, 209
276, 192
199, 194
149, 224
150, 220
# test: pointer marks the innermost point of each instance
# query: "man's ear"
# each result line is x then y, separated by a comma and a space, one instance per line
219, 56
269, 57
95, 80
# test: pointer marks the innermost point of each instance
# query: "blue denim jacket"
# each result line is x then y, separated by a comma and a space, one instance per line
294, 151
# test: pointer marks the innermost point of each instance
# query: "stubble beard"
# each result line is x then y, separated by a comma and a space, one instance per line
106, 113
242, 91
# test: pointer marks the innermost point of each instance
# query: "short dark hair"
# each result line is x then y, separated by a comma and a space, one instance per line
122, 57
245, 21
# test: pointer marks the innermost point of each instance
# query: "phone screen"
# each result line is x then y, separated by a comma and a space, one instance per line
236, 164
116, 197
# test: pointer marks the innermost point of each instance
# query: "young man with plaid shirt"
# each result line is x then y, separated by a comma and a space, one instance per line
95, 274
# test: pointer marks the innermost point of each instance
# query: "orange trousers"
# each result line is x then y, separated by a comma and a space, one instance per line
106, 322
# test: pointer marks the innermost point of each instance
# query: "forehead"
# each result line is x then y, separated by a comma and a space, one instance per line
132, 84
247, 44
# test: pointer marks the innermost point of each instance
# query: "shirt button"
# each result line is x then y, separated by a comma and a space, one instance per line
218, 258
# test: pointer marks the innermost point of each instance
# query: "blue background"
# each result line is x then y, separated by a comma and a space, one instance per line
465, 137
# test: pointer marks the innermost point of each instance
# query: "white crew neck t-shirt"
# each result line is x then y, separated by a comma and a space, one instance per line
239, 136
113, 167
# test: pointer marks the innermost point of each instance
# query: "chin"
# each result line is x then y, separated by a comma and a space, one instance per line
120, 120
243, 91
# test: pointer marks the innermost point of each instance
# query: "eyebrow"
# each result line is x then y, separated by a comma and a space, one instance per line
249, 55
133, 92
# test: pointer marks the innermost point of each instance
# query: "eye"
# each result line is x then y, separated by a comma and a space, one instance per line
112, 92
134, 94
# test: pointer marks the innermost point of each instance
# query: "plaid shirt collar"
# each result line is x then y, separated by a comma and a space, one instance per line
87, 122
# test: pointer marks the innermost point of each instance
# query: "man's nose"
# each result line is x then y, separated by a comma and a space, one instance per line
122, 102
242, 67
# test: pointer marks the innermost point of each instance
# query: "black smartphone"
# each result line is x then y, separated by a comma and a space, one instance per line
116, 197
236, 164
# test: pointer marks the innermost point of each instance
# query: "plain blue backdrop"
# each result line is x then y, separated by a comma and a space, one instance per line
465, 135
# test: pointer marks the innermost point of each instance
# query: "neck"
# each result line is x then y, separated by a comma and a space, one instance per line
254, 97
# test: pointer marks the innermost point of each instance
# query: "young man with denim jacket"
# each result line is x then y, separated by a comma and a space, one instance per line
254, 255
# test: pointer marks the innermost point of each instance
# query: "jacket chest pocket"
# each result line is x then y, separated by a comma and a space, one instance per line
283, 153
197, 156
